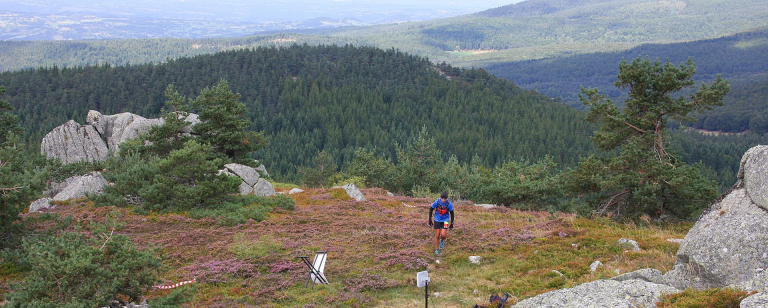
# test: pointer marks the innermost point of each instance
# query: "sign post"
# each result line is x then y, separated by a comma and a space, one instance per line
422, 280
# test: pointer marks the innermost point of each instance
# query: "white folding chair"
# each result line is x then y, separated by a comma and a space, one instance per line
316, 268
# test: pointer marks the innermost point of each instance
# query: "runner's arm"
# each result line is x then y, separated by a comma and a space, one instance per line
430, 215
451, 217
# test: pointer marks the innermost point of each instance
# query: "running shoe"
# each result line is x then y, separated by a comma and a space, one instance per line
442, 244
437, 252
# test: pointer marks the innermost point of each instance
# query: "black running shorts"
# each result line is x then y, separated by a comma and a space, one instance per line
441, 225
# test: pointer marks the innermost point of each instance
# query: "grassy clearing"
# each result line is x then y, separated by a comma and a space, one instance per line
377, 247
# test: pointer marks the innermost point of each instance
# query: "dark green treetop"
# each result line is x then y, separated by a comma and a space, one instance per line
225, 123
9, 122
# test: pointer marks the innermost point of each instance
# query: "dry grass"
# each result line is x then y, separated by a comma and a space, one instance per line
377, 246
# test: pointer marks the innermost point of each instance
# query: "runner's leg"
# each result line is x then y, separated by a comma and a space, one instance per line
443, 234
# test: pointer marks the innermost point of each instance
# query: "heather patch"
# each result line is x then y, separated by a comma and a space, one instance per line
410, 259
218, 271
376, 247
368, 282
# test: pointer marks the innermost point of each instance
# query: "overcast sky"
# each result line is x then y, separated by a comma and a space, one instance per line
259, 10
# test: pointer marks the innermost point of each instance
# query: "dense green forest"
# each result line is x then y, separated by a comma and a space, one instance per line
531, 29
336, 99
311, 98
741, 58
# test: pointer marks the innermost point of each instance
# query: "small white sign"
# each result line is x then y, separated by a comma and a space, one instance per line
422, 278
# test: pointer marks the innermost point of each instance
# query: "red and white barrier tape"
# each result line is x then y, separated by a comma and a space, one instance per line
175, 285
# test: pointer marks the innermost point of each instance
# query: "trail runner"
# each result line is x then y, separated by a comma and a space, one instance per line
442, 209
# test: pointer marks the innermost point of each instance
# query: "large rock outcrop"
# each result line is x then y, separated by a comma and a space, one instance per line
725, 248
602, 294
72, 142
727, 245
119, 128
72, 188
91, 183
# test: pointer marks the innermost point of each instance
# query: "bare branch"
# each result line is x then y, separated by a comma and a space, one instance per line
636, 128
611, 201
108, 238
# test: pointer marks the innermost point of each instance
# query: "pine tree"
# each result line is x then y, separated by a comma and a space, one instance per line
15, 175
224, 123
645, 177
9, 122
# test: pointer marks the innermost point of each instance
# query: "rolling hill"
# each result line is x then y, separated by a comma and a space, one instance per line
740, 58
531, 29
331, 98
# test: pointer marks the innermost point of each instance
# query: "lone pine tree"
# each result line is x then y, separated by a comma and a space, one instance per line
645, 177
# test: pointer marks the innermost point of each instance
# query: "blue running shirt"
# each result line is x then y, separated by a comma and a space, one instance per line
442, 210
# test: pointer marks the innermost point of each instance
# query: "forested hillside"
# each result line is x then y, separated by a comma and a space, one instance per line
741, 58
532, 29
337, 99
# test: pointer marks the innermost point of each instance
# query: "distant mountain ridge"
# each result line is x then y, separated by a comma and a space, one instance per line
741, 58
532, 29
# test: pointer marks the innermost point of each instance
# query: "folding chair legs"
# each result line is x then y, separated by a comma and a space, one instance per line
319, 257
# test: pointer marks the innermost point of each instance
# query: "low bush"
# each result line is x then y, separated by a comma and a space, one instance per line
243, 208
83, 269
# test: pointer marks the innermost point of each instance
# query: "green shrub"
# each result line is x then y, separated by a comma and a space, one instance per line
186, 179
243, 208
339, 194
230, 214
83, 269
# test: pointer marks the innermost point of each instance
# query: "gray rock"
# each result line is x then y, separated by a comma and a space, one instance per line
249, 175
119, 128
754, 167
602, 293
71, 142
486, 206
56, 187
629, 244
295, 191
93, 183
353, 192
475, 259
593, 267
262, 170
263, 188
389, 194
648, 274
725, 247
193, 120
39, 204
759, 300
251, 183
245, 189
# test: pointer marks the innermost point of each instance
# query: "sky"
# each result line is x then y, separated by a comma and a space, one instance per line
371, 11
